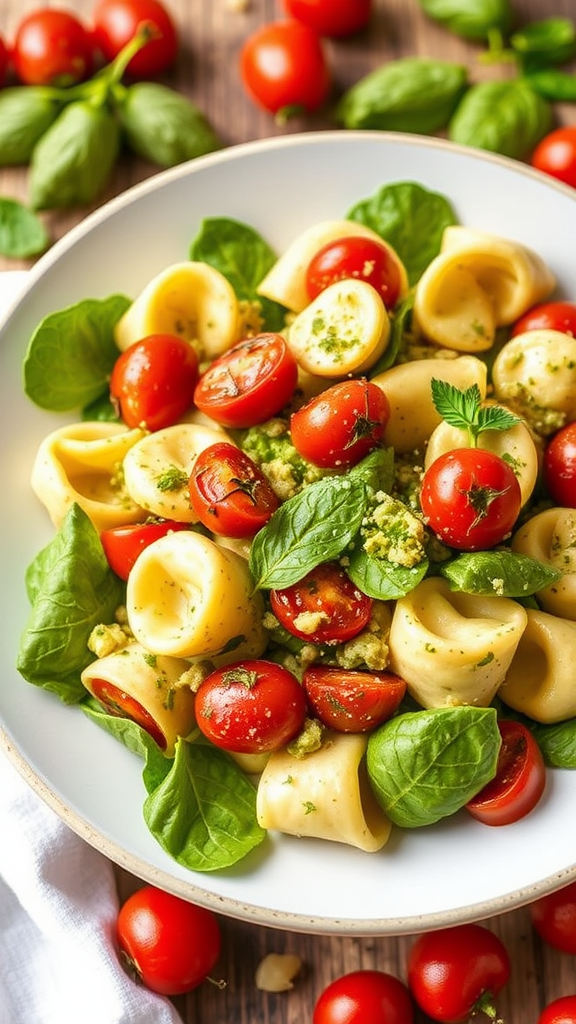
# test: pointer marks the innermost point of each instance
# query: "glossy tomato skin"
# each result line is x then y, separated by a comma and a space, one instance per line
454, 971
4, 61
338, 427
364, 997
229, 492
554, 918
348, 700
519, 782
560, 1011
120, 704
250, 707
284, 69
116, 23
123, 544
555, 155
548, 316
333, 18
52, 47
153, 381
172, 945
332, 608
470, 498
250, 383
559, 466
355, 257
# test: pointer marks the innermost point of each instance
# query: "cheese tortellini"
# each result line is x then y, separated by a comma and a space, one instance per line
540, 680
535, 374
550, 537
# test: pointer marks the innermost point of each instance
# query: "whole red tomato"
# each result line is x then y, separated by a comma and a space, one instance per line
341, 425
364, 997
560, 1011
4, 61
555, 155
324, 607
560, 466
170, 944
153, 381
229, 492
455, 973
116, 23
284, 69
548, 316
333, 18
52, 47
361, 258
554, 918
519, 781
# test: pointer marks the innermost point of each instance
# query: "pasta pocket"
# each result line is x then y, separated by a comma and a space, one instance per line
550, 537
539, 682
535, 375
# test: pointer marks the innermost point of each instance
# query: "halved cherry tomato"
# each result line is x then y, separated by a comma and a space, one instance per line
549, 316
153, 381
364, 997
362, 258
284, 69
554, 918
519, 781
555, 155
120, 704
250, 383
348, 700
560, 1011
229, 492
52, 47
324, 607
123, 544
250, 707
116, 23
332, 18
341, 425
559, 466
471, 498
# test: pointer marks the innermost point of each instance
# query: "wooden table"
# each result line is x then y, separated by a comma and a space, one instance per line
211, 31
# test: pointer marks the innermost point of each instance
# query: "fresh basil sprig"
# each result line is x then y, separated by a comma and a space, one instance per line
499, 573
22, 233
474, 19
507, 117
464, 409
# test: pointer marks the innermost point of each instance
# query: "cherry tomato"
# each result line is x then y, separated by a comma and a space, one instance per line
560, 1011
116, 22
153, 381
519, 781
324, 607
250, 383
52, 47
123, 544
348, 700
342, 424
333, 18
284, 69
229, 493
170, 944
364, 997
454, 973
555, 155
549, 316
120, 704
4, 61
362, 258
250, 707
554, 918
559, 466
471, 498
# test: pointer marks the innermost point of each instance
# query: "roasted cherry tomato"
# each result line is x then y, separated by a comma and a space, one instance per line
284, 69
229, 492
250, 707
455, 973
116, 23
250, 383
560, 466
471, 498
560, 1011
361, 258
555, 155
519, 781
153, 381
123, 544
52, 47
554, 918
169, 944
549, 316
364, 997
342, 424
120, 704
324, 607
4, 61
349, 700
332, 18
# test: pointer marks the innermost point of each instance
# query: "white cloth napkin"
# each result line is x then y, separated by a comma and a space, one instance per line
58, 907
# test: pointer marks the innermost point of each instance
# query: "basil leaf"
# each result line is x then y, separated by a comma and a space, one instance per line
540, 44
244, 258
412, 94
203, 814
554, 85
22, 233
71, 354
400, 328
474, 19
134, 738
411, 219
26, 113
506, 117
73, 590
163, 126
426, 765
376, 470
380, 578
499, 573
557, 742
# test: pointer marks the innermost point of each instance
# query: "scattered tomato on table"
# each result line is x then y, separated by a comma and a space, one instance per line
364, 997
116, 23
554, 918
560, 1011
52, 46
555, 155
333, 18
284, 69
4, 61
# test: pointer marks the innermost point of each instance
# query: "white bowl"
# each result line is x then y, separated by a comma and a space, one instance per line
453, 872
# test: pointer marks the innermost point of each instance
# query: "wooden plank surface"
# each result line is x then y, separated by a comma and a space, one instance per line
211, 32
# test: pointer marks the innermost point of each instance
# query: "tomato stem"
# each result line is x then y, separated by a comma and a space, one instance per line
485, 1005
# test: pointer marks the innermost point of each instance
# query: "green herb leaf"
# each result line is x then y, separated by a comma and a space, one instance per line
540, 44
163, 126
554, 85
474, 19
22, 233
464, 409
134, 738
506, 117
557, 742
380, 578
26, 113
499, 573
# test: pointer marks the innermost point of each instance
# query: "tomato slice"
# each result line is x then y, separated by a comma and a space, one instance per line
359, 257
519, 781
229, 492
352, 701
120, 704
123, 544
324, 607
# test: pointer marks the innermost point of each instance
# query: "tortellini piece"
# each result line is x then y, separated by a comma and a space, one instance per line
324, 795
453, 648
540, 680
81, 464
550, 537
535, 374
